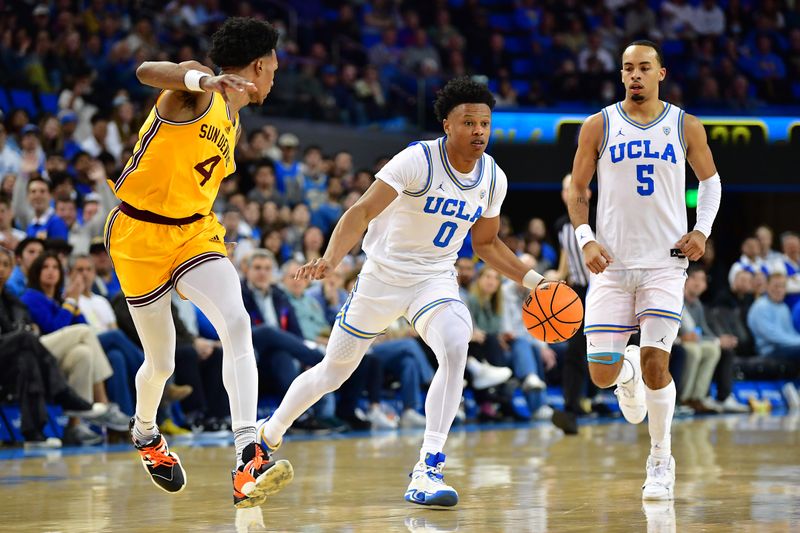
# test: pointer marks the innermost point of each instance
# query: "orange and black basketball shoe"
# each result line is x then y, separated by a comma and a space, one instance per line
163, 465
258, 477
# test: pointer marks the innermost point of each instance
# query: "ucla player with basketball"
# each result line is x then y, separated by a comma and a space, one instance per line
164, 235
639, 257
416, 215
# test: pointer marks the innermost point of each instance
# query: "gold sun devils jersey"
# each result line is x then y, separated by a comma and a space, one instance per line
177, 167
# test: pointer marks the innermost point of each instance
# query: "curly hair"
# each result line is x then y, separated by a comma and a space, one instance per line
241, 40
459, 91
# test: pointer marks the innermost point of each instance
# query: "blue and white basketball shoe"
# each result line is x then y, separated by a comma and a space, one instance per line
427, 485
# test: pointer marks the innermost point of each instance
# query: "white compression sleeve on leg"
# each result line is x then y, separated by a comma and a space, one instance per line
157, 333
342, 357
214, 287
447, 333
709, 195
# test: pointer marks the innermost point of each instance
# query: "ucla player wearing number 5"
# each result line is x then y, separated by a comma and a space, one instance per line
416, 215
639, 257
164, 236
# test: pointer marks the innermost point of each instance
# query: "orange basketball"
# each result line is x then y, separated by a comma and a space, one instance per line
552, 312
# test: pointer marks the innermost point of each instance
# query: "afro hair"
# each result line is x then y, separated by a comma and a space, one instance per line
459, 91
239, 41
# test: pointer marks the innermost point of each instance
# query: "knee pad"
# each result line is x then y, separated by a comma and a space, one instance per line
344, 347
452, 318
450, 326
606, 348
658, 332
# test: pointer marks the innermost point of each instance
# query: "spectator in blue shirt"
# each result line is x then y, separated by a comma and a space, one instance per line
288, 170
328, 213
44, 224
43, 295
26, 252
764, 63
770, 320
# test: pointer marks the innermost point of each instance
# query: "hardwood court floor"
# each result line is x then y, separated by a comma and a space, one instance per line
735, 474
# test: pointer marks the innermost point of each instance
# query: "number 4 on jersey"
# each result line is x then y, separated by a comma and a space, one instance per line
206, 168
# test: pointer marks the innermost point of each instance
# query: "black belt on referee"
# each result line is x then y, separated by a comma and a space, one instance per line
148, 216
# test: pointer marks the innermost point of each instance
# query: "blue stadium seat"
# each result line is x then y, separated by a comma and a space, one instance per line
521, 67
673, 48
493, 85
23, 99
370, 38
48, 102
516, 45
501, 22
5, 103
521, 86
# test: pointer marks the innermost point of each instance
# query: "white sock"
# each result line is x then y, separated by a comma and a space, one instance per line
625, 373
144, 431
243, 436
432, 443
274, 430
660, 408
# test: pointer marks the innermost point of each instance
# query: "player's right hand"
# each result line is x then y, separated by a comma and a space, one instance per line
316, 269
227, 82
596, 257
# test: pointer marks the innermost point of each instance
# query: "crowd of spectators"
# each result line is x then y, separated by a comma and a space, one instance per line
372, 61
66, 335
278, 211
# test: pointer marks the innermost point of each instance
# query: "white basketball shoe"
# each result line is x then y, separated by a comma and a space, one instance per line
660, 482
631, 393
427, 485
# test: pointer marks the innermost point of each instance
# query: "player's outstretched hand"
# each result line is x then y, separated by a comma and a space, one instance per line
693, 245
316, 269
596, 257
227, 82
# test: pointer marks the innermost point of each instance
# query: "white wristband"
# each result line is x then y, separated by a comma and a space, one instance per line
192, 80
584, 234
531, 279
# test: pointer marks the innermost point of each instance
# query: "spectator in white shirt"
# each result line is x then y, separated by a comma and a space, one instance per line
709, 19
596, 51
10, 159
750, 260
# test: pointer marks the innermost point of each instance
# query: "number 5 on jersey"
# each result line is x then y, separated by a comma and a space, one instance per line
206, 168
644, 175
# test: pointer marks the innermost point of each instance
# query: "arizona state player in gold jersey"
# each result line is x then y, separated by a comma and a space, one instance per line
164, 235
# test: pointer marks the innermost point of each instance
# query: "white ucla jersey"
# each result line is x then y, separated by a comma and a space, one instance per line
641, 172
418, 236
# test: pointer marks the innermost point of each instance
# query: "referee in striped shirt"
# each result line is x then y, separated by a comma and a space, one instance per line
574, 368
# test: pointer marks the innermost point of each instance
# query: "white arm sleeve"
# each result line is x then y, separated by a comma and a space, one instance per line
708, 197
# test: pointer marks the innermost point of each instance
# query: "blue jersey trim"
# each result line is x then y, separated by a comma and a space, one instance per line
429, 181
649, 125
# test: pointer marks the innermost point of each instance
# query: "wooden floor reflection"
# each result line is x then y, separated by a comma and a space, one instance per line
735, 474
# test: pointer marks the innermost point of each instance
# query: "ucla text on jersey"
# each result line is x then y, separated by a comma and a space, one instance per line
641, 149
450, 207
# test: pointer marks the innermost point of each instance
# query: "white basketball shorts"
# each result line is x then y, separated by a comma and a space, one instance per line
374, 305
618, 300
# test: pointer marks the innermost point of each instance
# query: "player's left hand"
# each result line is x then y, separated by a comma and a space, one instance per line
316, 269
693, 245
